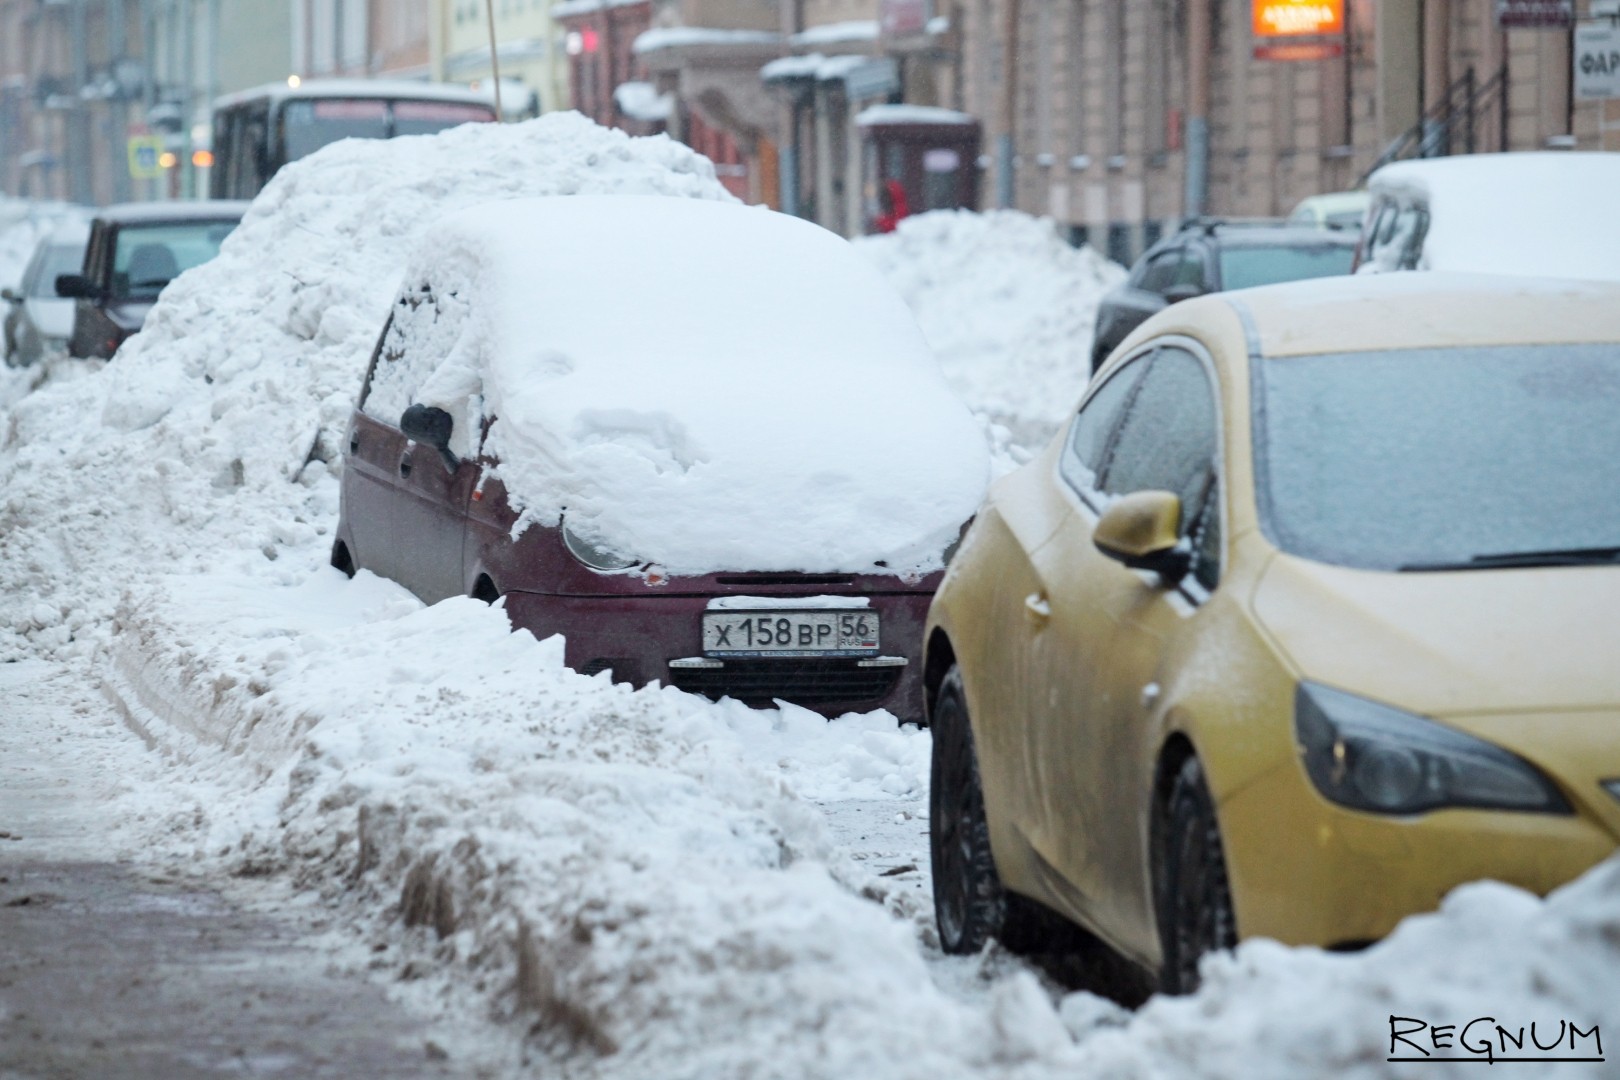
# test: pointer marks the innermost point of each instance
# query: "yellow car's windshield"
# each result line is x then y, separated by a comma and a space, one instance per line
1443, 458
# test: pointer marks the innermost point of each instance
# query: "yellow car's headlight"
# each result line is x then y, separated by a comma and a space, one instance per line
1373, 757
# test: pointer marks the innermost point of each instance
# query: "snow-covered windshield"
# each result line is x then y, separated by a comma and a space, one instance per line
1385, 460
1248, 266
704, 386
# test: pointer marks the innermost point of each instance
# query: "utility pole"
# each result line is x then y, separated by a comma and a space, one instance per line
188, 98
80, 186
1009, 107
1196, 198
494, 60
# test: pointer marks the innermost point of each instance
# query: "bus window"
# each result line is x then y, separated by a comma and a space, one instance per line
306, 126
426, 117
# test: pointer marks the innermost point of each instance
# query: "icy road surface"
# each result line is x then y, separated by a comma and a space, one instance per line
116, 965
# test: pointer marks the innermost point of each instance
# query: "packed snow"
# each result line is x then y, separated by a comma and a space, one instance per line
1538, 214
768, 405
630, 883
1008, 307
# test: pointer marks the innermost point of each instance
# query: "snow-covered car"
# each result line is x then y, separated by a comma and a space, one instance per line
1334, 210
1305, 621
37, 321
706, 443
134, 250
1542, 214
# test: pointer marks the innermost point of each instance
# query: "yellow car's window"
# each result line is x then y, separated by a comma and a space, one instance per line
1167, 439
1095, 426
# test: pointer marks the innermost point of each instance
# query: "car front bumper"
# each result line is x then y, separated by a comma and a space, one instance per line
1309, 872
646, 638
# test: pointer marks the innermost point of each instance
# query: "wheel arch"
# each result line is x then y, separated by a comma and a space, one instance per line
939, 656
484, 588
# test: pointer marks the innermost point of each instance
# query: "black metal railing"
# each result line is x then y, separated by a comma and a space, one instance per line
1456, 124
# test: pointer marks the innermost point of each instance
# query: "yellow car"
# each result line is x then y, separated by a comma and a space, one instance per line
1308, 617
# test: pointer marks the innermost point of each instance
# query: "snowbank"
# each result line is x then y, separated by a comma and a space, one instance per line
1008, 307
708, 387
213, 437
631, 869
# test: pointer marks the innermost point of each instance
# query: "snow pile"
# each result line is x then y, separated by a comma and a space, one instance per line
214, 434
768, 405
1537, 214
1007, 306
23, 223
623, 867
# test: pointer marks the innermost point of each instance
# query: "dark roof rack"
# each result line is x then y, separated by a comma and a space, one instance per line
1209, 224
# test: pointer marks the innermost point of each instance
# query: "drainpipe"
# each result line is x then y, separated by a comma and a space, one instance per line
787, 164
1436, 77
78, 114
1199, 44
1009, 107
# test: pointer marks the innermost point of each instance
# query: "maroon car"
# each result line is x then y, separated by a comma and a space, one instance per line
747, 488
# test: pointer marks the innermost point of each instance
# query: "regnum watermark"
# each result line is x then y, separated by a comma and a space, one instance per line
1486, 1039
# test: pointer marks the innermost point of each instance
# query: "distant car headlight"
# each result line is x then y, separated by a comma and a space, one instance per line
593, 555
1373, 757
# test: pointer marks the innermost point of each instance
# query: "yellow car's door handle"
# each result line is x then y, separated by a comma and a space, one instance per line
1038, 607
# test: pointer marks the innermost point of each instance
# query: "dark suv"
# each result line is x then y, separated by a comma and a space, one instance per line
135, 250
1213, 255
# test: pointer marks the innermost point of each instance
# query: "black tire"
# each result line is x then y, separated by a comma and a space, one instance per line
970, 906
342, 560
1195, 900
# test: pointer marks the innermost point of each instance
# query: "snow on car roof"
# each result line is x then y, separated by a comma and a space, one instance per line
1544, 214
701, 385
1370, 313
174, 210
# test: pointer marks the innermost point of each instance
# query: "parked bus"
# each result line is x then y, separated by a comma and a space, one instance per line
258, 131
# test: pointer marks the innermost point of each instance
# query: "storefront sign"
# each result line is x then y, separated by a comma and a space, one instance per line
1597, 61
1297, 18
1531, 14
904, 18
1298, 50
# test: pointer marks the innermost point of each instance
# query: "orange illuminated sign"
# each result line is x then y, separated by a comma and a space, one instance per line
1297, 18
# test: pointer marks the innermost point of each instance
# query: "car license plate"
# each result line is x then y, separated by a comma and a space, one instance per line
837, 632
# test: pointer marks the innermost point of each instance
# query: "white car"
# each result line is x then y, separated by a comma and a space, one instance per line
1532, 214
37, 321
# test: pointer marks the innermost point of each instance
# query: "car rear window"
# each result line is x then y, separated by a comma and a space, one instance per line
1398, 459
1245, 267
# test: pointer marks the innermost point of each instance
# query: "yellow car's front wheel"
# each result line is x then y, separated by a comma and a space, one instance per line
1195, 902
970, 906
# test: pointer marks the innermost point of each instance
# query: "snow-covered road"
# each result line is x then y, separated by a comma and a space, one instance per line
124, 961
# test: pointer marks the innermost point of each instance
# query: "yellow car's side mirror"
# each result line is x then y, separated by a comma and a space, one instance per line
1143, 531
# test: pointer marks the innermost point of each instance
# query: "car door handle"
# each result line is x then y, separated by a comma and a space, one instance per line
405, 465
1038, 607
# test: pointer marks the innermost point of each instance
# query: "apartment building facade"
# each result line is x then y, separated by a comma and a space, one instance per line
1118, 117
530, 53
